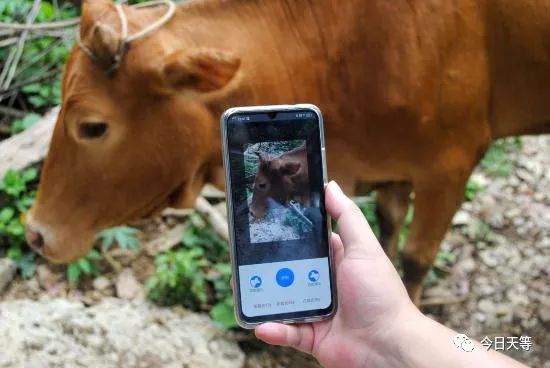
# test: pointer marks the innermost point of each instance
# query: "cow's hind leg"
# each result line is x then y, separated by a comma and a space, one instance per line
392, 203
435, 202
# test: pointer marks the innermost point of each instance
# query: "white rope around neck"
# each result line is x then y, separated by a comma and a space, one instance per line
125, 38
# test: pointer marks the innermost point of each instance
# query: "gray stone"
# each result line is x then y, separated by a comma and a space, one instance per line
462, 218
544, 313
7, 272
114, 333
101, 283
489, 258
486, 306
127, 287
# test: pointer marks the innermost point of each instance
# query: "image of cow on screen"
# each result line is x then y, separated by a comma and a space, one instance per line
278, 191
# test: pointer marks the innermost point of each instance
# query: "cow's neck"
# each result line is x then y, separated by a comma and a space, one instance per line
279, 42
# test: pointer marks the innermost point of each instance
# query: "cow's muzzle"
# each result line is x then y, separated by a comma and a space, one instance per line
35, 240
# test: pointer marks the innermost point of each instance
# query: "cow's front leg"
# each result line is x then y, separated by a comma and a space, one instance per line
392, 203
216, 176
436, 200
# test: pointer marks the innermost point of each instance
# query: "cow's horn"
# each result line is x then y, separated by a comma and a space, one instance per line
101, 40
104, 42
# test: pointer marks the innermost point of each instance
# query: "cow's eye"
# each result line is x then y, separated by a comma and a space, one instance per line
262, 186
92, 130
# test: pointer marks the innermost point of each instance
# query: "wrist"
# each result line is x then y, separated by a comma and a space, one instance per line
402, 337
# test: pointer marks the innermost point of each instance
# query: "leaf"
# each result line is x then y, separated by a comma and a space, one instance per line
73, 273
26, 265
13, 184
15, 253
223, 268
31, 88
94, 255
124, 236
37, 101
6, 214
85, 265
47, 12
223, 314
29, 174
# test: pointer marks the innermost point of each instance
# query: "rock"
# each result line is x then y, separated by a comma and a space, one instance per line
7, 272
165, 240
486, 306
489, 258
210, 191
46, 278
467, 265
462, 218
101, 283
127, 287
544, 313
504, 312
114, 333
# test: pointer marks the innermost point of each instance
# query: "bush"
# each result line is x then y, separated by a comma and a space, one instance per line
16, 197
196, 274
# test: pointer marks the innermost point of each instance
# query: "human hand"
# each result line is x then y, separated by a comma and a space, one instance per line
373, 304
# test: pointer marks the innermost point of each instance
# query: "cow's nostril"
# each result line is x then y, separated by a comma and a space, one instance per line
35, 240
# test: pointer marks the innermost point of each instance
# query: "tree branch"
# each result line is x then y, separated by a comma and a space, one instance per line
40, 26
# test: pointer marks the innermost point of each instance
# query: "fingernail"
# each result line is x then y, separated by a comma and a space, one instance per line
335, 188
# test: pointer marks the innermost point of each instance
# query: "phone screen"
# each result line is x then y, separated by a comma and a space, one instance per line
281, 249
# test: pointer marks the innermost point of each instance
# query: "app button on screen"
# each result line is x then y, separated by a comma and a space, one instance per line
285, 277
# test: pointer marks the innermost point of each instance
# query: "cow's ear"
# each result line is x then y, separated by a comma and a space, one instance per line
290, 168
202, 70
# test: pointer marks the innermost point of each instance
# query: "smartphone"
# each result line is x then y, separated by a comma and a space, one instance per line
275, 171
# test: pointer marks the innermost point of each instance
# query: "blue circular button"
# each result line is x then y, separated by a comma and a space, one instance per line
313, 275
285, 277
255, 281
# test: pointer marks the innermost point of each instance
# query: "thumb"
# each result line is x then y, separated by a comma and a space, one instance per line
353, 228
299, 337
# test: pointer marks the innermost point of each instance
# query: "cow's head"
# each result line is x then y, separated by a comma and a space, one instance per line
127, 145
273, 180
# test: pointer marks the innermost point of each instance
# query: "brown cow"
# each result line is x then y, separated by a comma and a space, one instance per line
413, 92
283, 178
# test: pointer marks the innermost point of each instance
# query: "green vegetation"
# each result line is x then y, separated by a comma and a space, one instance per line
35, 83
22, 124
196, 274
296, 219
30, 83
368, 208
124, 236
16, 196
473, 187
84, 266
496, 161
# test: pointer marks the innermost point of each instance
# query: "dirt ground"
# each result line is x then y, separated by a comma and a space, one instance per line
501, 245
496, 284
